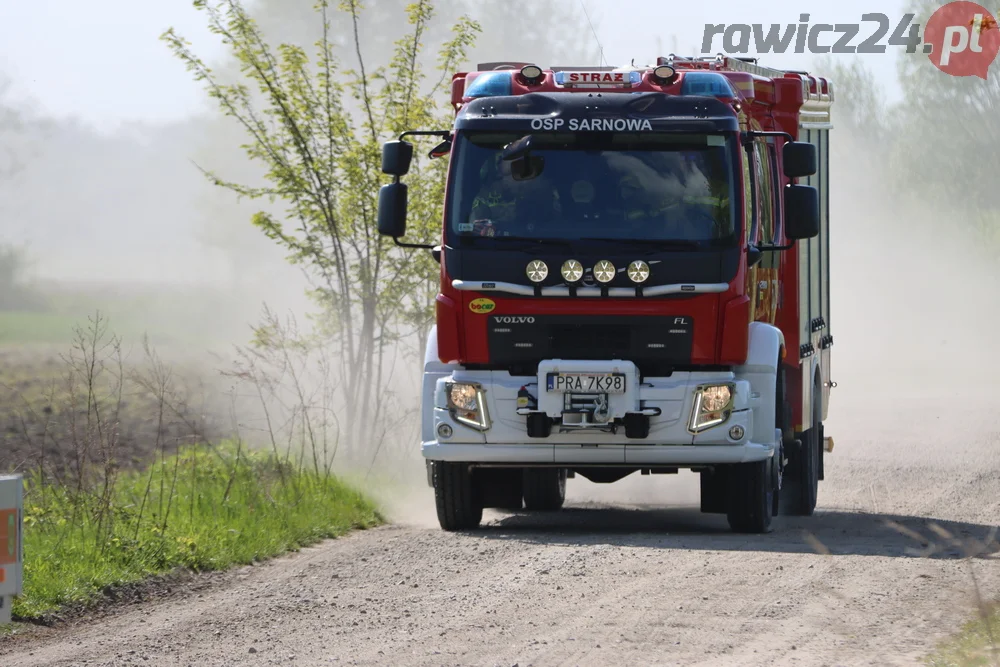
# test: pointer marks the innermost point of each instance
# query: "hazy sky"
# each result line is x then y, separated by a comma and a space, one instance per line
102, 62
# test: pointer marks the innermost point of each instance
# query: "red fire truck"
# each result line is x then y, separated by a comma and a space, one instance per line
634, 277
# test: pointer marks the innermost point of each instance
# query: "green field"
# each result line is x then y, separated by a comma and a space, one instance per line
169, 316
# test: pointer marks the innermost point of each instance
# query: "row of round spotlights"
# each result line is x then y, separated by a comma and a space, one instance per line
572, 271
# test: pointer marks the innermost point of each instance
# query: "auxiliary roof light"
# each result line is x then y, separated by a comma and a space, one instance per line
663, 74
572, 270
604, 271
532, 73
537, 271
638, 271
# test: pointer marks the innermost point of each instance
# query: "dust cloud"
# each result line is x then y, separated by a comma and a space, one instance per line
124, 221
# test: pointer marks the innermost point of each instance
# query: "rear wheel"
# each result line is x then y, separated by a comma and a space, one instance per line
802, 474
459, 507
544, 488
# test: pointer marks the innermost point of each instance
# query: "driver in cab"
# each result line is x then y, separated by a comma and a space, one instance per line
682, 201
505, 206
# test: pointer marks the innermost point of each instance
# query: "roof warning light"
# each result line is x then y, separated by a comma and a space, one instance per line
491, 84
712, 84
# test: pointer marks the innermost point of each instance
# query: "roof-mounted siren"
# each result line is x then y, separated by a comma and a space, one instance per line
708, 84
663, 75
532, 74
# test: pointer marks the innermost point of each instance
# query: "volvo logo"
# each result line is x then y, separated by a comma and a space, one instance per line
511, 319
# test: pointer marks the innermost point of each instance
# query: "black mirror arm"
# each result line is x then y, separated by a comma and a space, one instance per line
426, 133
769, 248
403, 244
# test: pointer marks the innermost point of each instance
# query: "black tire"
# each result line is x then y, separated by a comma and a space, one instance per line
544, 489
751, 497
801, 480
459, 507
755, 488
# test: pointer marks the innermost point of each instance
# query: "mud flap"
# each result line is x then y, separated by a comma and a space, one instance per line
499, 488
715, 490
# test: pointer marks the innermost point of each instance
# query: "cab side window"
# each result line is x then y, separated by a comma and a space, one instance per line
764, 188
749, 197
772, 153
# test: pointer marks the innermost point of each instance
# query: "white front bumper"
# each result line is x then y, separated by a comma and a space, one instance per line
603, 454
669, 442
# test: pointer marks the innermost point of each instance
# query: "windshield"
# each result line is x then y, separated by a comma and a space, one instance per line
601, 185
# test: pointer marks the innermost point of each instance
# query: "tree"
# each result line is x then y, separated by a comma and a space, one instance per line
551, 33
949, 138
323, 168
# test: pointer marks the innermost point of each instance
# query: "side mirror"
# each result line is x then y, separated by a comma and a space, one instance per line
801, 212
798, 159
396, 157
392, 210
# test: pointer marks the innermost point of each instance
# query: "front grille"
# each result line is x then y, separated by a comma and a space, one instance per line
654, 343
590, 341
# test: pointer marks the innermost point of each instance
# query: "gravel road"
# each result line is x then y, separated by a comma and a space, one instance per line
630, 573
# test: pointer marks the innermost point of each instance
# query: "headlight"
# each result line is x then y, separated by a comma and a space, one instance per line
713, 404
467, 404
715, 398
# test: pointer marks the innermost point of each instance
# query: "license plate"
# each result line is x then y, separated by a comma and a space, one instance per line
587, 383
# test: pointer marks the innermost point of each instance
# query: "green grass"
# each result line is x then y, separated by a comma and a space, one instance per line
973, 646
204, 509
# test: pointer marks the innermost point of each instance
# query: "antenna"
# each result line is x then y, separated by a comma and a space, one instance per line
596, 38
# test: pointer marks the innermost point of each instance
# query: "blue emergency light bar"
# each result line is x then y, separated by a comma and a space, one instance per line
710, 84
491, 84
501, 83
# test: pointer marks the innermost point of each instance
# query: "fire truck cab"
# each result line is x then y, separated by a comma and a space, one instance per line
634, 277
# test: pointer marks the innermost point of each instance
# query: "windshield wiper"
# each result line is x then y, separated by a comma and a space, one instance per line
523, 240
660, 244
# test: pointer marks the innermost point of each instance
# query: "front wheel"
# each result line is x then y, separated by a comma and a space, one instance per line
544, 488
459, 506
751, 497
